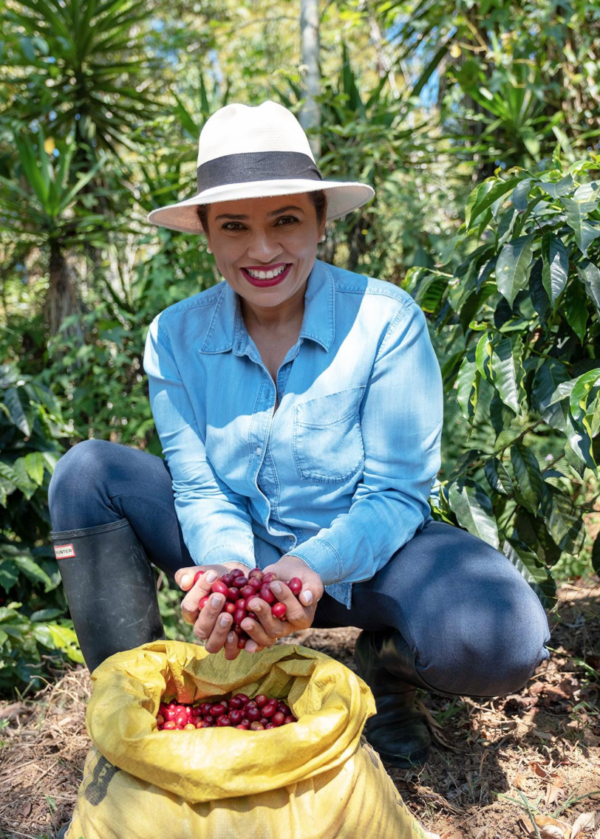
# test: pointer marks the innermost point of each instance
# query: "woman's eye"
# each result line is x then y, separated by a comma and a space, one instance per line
233, 225
287, 219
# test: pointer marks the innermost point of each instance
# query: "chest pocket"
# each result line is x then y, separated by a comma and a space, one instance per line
328, 444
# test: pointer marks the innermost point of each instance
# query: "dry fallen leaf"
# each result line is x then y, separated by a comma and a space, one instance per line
519, 781
539, 769
586, 821
552, 828
553, 793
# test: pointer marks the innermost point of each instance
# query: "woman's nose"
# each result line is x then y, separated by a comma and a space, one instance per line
264, 247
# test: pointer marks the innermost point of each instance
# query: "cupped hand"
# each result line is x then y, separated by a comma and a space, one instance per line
211, 624
300, 613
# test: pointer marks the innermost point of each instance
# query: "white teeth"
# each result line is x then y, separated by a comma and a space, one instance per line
266, 275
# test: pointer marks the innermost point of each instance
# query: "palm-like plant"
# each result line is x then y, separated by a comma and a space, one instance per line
80, 61
40, 205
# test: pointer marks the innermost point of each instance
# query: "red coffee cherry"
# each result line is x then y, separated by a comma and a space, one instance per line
239, 615
231, 609
217, 709
266, 594
289, 718
255, 725
261, 700
236, 716
233, 594
160, 719
203, 724
279, 610
295, 585
256, 583
278, 718
253, 714
256, 572
237, 572
189, 726
223, 720
242, 642
180, 720
240, 582
269, 725
243, 698
203, 602
248, 591
169, 726
219, 587
227, 579
269, 709
268, 578
242, 727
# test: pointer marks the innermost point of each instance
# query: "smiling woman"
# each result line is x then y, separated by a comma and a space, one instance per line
299, 407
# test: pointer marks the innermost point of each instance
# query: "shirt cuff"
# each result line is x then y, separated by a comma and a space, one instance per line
322, 558
228, 553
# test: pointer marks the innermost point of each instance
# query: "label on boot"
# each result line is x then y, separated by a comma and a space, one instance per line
64, 551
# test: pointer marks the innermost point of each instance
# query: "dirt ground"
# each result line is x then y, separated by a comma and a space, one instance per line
521, 765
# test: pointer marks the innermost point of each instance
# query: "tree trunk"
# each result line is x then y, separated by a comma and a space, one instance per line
61, 300
310, 116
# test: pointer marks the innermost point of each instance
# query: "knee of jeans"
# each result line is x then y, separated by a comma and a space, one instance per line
77, 472
490, 658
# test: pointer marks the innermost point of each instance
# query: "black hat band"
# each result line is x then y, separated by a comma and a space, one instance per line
256, 166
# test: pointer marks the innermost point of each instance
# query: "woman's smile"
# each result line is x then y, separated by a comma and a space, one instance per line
266, 276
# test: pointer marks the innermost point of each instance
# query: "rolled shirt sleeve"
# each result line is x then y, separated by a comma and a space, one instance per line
401, 424
215, 521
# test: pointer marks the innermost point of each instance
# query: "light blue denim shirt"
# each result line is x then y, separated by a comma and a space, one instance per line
340, 474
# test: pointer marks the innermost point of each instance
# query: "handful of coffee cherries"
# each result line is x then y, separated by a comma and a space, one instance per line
239, 590
240, 711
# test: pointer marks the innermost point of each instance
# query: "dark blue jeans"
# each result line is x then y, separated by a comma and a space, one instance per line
474, 625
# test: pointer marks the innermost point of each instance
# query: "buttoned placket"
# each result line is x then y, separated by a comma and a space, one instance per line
246, 346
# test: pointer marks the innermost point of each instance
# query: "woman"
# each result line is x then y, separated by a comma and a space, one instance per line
299, 408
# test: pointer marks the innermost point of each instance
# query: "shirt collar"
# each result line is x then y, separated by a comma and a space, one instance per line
227, 329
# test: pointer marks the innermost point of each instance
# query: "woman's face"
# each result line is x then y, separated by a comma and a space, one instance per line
265, 247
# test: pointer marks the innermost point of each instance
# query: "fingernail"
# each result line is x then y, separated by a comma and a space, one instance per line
307, 595
211, 576
256, 608
185, 581
276, 588
247, 624
224, 620
216, 599
230, 637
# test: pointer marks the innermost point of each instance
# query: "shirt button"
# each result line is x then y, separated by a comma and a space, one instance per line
258, 450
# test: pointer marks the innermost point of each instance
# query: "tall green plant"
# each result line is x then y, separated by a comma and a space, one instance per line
518, 323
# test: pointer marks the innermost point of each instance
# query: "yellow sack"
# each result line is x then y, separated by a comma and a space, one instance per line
313, 779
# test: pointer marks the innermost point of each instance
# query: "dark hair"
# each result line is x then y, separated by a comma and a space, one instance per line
318, 199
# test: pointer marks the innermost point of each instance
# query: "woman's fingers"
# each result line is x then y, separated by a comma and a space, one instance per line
201, 588
206, 620
295, 613
218, 636
231, 647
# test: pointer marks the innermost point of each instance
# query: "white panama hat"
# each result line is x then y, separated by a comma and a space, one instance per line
255, 152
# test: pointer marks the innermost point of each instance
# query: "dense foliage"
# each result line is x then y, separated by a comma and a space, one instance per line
477, 124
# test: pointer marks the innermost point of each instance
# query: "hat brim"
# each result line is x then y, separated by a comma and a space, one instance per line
342, 198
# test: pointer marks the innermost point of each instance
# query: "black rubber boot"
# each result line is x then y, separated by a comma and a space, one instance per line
110, 588
398, 731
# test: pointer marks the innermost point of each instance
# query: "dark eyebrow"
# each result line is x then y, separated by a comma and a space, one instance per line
274, 213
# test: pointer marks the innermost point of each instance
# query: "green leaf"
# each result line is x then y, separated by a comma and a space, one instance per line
474, 511
508, 371
15, 411
34, 463
485, 195
512, 266
467, 386
557, 188
525, 561
529, 488
9, 575
483, 355
575, 309
596, 554
565, 524
577, 212
45, 615
590, 276
498, 478
546, 382
581, 392
556, 266
520, 193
